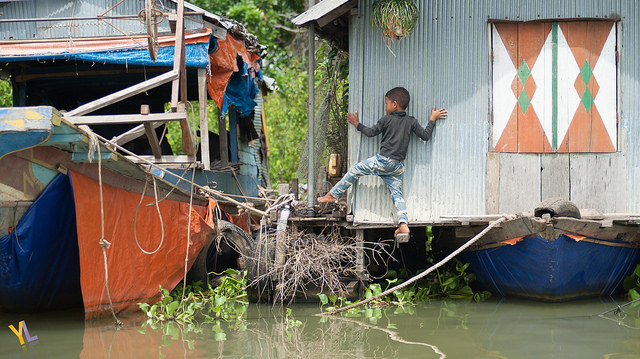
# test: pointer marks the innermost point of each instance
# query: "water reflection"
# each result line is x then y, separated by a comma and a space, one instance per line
493, 329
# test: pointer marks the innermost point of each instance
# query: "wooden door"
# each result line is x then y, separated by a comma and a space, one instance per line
554, 87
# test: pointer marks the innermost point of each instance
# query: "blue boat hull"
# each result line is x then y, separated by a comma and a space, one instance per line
39, 261
558, 270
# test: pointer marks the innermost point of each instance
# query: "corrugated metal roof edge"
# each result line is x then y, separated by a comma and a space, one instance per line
318, 11
232, 26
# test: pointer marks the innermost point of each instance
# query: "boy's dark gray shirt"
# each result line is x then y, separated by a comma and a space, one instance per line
396, 131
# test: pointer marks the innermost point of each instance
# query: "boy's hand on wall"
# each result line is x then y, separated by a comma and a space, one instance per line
438, 114
353, 118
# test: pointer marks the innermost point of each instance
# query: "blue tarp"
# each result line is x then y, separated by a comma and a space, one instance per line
556, 270
39, 261
196, 55
241, 90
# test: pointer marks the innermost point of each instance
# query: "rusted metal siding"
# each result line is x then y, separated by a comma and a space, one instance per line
81, 28
445, 62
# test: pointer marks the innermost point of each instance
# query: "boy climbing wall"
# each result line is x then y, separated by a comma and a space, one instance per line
396, 128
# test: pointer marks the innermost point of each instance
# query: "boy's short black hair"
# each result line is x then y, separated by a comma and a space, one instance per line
399, 95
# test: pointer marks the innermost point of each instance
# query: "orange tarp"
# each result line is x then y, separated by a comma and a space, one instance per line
224, 63
133, 275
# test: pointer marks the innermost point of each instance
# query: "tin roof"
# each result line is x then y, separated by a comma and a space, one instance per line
330, 20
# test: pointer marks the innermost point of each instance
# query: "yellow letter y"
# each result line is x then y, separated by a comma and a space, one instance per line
18, 333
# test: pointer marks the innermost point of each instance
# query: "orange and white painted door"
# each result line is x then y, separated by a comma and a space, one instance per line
554, 87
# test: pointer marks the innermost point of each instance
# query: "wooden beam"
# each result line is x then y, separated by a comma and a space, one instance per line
204, 122
187, 137
123, 94
233, 134
336, 13
265, 129
133, 133
83, 157
163, 160
179, 42
66, 139
360, 265
224, 147
128, 118
151, 134
179, 85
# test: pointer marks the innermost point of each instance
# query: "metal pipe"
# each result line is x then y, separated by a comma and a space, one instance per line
310, 132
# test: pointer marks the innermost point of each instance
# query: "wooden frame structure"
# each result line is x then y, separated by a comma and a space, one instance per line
150, 121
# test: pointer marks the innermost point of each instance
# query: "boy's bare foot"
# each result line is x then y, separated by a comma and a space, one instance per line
402, 233
326, 198
402, 228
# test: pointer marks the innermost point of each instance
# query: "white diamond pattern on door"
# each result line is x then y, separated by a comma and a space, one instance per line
554, 87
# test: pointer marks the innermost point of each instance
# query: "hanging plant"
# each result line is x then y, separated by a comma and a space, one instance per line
396, 18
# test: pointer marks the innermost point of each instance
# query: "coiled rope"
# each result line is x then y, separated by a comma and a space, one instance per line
135, 217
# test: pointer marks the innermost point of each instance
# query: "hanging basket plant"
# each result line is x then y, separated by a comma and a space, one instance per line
396, 18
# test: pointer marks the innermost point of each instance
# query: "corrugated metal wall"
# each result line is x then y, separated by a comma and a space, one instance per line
79, 28
446, 62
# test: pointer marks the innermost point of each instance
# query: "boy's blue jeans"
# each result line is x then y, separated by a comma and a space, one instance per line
388, 169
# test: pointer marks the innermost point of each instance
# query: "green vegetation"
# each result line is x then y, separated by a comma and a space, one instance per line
6, 93
286, 62
450, 284
632, 285
226, 301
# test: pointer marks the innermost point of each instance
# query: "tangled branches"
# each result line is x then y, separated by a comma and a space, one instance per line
291, 264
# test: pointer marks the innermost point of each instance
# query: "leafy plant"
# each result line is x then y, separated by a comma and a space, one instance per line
632, 285
290, 320
396, 18
227, 301
6, 93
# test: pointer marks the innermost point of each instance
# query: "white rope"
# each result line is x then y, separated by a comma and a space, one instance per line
206, 190
135, 217
186, 255
421, 275
281, 201
93, 144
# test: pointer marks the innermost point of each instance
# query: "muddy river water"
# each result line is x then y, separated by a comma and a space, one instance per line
496, 328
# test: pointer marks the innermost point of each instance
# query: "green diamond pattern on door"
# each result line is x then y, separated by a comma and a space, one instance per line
523, 73
555, 87
587, 97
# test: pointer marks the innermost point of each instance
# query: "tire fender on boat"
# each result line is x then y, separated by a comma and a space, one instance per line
557, 207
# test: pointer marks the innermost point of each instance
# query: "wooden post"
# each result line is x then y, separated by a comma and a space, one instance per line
180, 83
233, 134
294, 188
360, 255
204, 121
224, 149
150, 131
179, 40
311, 178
